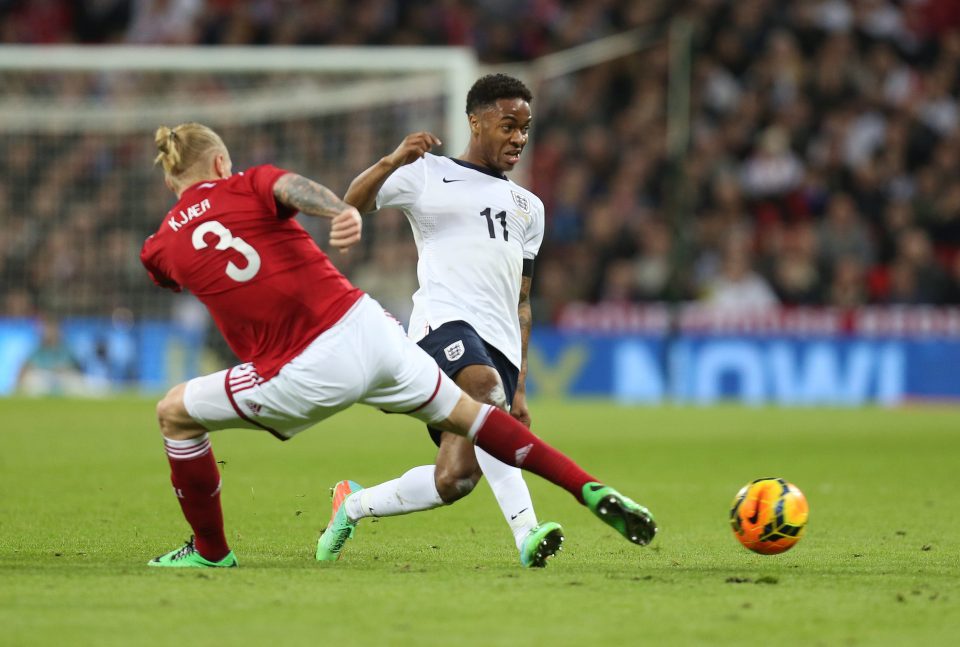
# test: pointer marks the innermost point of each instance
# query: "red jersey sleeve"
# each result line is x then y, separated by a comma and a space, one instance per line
262, 178
149, 260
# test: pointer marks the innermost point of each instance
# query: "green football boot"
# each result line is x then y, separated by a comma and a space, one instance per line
340, 528
541, 543
188, 557
627, 517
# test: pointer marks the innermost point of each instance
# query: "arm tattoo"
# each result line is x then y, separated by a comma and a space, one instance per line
525, 314
307, 196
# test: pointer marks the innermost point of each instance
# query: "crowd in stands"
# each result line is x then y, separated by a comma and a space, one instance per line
823, 165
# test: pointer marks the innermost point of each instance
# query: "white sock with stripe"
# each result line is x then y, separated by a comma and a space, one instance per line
181, 450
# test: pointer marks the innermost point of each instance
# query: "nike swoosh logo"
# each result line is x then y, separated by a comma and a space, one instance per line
446, 181
596, 487
514, 516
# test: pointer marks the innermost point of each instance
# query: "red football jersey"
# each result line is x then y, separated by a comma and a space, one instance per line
268, 286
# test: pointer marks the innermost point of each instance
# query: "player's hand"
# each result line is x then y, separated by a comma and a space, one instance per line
519, 408
346, 229
413, 147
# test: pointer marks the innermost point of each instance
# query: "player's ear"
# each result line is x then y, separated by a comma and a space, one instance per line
221, 165
474, 121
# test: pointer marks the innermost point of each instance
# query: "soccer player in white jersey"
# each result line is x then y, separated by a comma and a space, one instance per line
477, 234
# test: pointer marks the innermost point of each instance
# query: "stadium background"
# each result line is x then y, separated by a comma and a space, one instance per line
755, 200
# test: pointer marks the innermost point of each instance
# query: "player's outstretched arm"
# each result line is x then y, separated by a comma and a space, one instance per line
313, 199
307, 196
363, 190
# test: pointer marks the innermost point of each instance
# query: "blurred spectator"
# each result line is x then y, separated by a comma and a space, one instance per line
951, 288
903, 284
797, 276
772, 170
937, 109
607, 239
843, 233
916, 273
565, 219
45, 22
848, 284
390, 276
51, 369
738, 288
101, 21
553, 290
653, 265
19, 303
897, 218
618, 283
164, 22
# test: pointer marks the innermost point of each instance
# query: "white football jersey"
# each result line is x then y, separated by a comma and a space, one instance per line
473, 230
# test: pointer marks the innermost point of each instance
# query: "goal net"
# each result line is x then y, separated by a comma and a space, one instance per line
76, 135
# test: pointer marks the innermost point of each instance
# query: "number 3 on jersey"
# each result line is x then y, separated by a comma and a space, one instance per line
229, 241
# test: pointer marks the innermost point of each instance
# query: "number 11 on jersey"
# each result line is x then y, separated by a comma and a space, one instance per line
502, 217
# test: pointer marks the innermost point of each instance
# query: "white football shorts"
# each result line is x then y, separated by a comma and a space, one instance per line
365, 357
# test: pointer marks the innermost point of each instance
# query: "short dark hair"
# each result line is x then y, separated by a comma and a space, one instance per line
491, 87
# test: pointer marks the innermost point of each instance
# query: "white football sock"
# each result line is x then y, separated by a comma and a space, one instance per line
512, 494
412, 492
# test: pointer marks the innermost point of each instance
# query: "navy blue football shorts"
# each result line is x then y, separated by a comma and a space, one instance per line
456, 345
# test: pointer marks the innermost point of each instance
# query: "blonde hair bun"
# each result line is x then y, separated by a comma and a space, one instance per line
183, 146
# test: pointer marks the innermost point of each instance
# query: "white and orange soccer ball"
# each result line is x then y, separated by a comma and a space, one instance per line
769, 515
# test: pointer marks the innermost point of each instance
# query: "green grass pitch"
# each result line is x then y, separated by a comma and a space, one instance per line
86, 501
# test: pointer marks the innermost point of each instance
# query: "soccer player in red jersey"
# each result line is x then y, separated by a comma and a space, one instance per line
311, 343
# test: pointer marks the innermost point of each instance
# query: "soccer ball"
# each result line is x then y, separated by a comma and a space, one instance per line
768, 515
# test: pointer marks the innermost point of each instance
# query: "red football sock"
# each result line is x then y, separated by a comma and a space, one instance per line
196, 482
508, 440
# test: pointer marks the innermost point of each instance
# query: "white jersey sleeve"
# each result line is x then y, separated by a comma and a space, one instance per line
403, 187
534, 235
